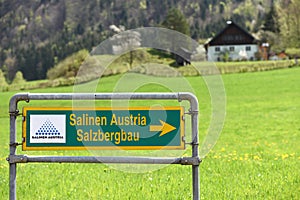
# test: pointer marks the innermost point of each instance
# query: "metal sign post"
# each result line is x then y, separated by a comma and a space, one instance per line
166, 132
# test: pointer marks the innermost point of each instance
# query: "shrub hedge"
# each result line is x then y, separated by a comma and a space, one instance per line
196, 69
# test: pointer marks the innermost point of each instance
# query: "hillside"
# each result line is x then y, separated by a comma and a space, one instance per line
37, 34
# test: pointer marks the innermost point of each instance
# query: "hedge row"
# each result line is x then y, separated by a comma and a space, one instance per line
196, 69
210, 68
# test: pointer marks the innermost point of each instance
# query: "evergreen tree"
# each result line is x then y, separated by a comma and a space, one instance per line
271, 20
175, 20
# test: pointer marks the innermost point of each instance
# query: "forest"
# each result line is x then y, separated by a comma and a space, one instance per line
35, 35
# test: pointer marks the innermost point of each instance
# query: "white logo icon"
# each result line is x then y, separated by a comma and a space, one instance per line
47, 128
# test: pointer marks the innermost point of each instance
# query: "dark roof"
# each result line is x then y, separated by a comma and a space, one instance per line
232, 34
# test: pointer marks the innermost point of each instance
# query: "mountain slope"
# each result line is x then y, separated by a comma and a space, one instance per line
36, 34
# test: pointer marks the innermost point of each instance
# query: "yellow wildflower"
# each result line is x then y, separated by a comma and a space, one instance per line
284, 156
256, 157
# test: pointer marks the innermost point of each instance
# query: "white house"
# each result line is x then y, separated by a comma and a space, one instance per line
232, 43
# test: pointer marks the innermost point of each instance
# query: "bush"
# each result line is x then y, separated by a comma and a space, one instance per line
19, 79
68, 67
241, 67
3, 83
237, 67
293, 52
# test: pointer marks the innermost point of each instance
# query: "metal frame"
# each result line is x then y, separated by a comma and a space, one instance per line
13, 159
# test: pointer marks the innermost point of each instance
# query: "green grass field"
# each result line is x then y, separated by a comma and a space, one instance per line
256, 157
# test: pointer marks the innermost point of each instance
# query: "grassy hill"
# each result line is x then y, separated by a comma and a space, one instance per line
256, 157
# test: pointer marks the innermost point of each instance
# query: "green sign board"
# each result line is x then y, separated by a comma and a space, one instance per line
135, 128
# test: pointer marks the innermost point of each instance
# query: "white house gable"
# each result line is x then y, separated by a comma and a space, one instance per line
232, 43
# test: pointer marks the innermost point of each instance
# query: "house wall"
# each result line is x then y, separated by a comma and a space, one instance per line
235, 52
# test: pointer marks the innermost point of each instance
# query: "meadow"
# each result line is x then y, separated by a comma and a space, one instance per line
257, 155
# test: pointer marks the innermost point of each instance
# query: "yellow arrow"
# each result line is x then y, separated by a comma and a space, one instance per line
164, 128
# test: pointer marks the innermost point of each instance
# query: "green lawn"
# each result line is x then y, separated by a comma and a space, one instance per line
257, 155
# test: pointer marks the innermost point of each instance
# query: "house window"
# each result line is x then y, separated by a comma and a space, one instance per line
248, 48
231, 48
217, 49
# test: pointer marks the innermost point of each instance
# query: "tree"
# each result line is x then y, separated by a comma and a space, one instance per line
125, 41
270, 32
290, 23
9, 68
3, 83
19, 79
271, 20
176, 21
